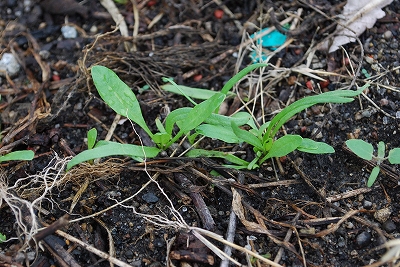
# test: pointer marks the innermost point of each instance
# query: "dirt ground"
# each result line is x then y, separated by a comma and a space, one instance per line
299, 210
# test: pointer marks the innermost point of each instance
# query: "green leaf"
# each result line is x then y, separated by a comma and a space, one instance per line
195, 153
314, 147
186, 91
161, 138
394, 156
283, 146
91, 137
361, 148
200, 113
338, 96
218, 132
179, 89
232, 81
381, 150
107, 148
372, 177
240, 118
159, 125
18, 155
246, 136
2, 238
174, 116
118, 96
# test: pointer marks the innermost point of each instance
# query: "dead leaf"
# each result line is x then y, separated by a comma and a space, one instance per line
357, 16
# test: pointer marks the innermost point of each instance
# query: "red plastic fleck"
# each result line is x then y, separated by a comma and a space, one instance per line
218, 13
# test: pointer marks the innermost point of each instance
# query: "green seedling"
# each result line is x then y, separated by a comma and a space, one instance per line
123, 101
91, 138
365, 151
18, 155
2, 238
203, 120
264, 139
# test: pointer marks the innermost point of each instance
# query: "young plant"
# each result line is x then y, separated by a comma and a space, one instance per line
123, 101
365, 151
263, 139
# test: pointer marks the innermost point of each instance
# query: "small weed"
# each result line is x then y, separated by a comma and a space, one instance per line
203, 120
365, 151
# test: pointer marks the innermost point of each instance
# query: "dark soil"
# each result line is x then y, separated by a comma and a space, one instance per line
295, 209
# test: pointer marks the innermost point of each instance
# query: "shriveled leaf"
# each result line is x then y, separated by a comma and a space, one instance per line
372, 177
18, 155
361, 148
314, 147
357, 15
118, 95
394, 156
106, 149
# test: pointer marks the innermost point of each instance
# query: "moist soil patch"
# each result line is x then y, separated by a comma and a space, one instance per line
298, 210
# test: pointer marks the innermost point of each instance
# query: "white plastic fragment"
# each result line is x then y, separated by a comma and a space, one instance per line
69, 32
9, 65
356, 17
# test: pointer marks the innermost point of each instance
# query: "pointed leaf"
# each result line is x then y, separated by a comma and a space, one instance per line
200, 113
118, 95
246, 136
91, 138
194, 153
372, 177
314, 147
218, 132
106, 149
228, 86
361, 148
18, 155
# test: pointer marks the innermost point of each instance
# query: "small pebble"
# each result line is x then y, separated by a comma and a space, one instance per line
129, 254
363, 239
69, 32
9, 64
387, 35
150, 198
382, 215
389, 226
367, 204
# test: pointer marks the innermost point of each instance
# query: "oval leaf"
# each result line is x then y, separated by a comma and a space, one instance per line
361, 148
373, 176
394, 156
284, 146
118, 95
